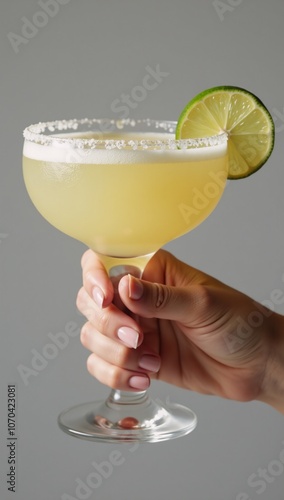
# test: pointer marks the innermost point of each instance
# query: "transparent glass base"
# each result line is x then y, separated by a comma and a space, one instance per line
128, 417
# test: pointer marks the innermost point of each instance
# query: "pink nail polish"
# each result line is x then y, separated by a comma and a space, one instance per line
150, 363
139, 382
98, 296
128, 336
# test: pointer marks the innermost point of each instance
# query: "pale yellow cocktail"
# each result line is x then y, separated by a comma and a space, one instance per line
126, 202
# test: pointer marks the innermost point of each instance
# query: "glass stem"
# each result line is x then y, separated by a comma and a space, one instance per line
126, 398
118, 267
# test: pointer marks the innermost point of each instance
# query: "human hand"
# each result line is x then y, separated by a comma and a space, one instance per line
186, 328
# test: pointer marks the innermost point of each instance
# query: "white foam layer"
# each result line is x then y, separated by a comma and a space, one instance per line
125, 149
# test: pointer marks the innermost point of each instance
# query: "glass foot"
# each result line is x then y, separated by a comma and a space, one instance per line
142, 420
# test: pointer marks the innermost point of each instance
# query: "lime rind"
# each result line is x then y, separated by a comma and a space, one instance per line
239, 113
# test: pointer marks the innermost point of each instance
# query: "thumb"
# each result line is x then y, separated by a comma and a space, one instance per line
154, 300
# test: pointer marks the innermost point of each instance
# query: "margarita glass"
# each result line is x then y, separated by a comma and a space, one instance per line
124, 188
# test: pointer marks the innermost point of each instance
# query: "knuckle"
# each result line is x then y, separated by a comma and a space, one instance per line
84, 334
79, 298
109, 375
203, 296
120, 355
90, 365
113, 377
161, 296
103, 321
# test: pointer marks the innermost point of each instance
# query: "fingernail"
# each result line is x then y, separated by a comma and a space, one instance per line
98, 296
135, 288
150, 363
139, 382
128, 336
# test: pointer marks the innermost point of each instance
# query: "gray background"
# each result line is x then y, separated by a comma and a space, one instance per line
80, 62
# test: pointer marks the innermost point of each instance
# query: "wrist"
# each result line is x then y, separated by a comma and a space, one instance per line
272, 390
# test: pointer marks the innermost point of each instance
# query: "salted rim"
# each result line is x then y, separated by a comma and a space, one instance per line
42, 133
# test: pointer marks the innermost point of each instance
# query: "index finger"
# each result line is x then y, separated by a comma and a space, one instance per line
96, 280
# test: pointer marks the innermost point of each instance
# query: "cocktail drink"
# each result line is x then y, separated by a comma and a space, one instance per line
124, 188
